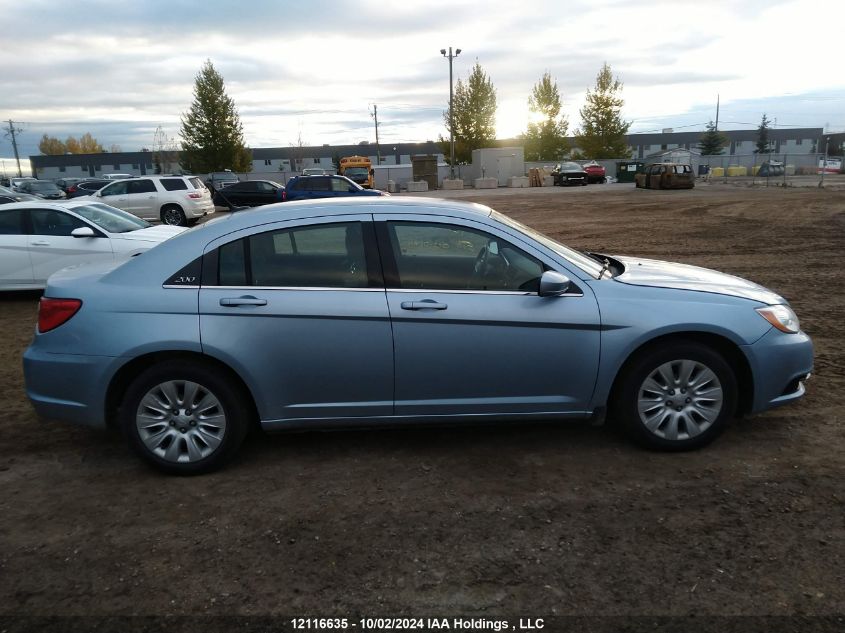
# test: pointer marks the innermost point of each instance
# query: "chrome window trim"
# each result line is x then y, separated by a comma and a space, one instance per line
309, 288
513, 293
517, 293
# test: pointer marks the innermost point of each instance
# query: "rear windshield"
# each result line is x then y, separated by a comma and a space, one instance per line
197, 183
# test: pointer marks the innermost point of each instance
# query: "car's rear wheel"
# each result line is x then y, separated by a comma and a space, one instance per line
183, 417
678, 396
172, 214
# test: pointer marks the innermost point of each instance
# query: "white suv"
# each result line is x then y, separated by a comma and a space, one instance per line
178, 200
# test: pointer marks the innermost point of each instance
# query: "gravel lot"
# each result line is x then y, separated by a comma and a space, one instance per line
534, 520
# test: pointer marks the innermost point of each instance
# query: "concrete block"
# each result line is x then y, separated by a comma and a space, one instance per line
392, 187
486, 183
518, 182
453, 184
420, 185
548, 181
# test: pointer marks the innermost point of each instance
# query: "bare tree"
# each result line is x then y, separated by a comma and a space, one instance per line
165, 152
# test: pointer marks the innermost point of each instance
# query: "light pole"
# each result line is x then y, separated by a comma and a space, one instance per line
450, 57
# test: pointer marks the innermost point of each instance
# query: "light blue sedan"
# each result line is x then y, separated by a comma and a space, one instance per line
400, 311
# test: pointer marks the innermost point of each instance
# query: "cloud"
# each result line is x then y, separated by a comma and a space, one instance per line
121, 69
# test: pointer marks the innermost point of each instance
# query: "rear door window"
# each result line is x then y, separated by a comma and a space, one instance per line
141, 186
320, 256
11, 222
318, 183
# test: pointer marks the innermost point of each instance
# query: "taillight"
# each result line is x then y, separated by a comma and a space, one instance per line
53, 312
284, 195
72, 189
195, 196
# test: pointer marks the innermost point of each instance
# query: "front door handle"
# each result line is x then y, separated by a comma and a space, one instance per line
40, 243
242, 301
425, 304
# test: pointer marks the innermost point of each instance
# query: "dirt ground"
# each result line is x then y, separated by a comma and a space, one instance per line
534, 520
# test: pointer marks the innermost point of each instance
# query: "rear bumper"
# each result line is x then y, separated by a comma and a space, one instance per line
780, 363
68, 387
199, 210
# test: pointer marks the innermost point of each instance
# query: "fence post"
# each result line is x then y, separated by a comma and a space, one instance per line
753, 167
784, 170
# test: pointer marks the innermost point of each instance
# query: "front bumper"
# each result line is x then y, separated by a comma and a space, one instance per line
780, 363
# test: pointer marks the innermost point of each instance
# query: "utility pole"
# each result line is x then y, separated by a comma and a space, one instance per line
11, 133
451, 57
717, 112
374, 114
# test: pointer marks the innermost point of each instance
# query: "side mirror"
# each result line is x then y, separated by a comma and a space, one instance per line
83, 231
553, 284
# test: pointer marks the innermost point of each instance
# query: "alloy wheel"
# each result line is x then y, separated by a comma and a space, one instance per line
180, 421
680, 399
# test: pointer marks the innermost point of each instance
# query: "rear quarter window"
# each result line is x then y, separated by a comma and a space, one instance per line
173, 184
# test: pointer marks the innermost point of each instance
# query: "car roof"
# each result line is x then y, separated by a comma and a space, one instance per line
342, 206
58, 205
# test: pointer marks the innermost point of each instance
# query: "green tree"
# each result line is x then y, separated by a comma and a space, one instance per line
51, 146
602, 133
474, 103
712, 142
212, 134
546, 140
764, 146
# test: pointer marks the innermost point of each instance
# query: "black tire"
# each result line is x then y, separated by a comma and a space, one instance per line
172, 214
625, 409
211, 381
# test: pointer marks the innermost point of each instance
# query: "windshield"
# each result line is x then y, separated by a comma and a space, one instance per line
110, 219
359, 172
571, 167
583, 262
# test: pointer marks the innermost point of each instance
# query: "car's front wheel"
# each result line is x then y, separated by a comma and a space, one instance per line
678, 396
173, 215
183, 417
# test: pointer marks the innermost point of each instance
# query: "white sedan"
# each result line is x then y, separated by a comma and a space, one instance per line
39, 238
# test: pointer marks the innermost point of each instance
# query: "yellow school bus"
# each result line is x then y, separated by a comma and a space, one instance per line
357, 168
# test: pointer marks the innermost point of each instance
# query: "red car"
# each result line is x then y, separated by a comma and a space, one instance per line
595, 172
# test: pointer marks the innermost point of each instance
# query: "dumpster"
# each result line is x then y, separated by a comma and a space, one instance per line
424, 168
626, 171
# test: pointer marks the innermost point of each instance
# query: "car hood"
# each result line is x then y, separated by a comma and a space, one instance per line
651, 272
151, 234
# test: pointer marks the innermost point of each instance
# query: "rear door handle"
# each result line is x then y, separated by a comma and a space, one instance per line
425, 304
40, 243
242, 301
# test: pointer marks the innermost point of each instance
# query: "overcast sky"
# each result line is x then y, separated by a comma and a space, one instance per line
316, 67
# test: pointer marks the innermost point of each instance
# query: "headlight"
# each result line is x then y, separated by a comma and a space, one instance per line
782, 317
